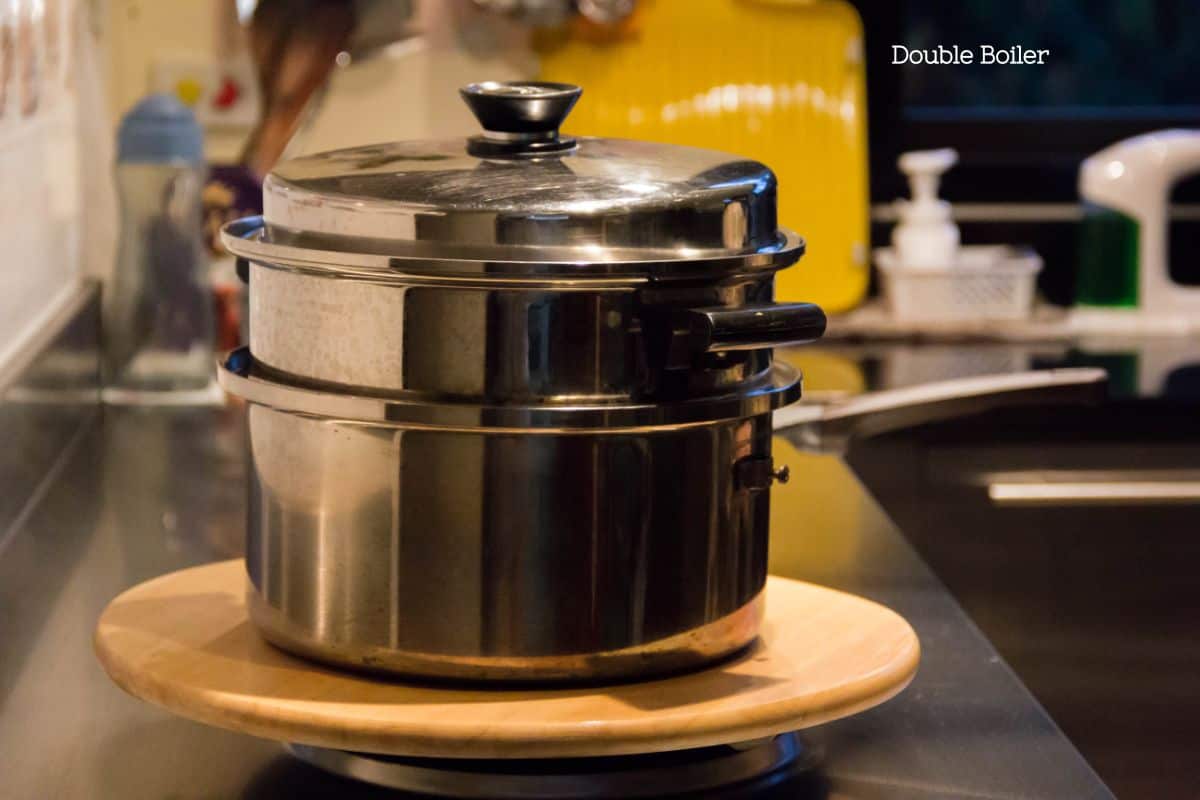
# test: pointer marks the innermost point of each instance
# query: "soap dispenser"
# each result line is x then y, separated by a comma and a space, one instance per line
928, 277
926, 236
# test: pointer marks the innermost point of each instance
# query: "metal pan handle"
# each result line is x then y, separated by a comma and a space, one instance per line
830, 427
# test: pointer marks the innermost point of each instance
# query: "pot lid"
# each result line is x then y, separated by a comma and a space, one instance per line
521, 197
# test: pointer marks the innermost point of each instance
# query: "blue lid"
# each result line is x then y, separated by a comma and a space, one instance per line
160, 129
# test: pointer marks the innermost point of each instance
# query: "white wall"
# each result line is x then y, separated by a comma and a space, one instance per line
56, 214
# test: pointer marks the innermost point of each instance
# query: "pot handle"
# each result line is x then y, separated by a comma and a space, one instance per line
752, 327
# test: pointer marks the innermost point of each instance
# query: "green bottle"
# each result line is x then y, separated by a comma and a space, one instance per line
1108, 259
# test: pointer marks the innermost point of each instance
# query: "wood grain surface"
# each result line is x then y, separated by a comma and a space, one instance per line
183, 641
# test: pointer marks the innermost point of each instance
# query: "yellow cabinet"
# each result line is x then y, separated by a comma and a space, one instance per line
781, 81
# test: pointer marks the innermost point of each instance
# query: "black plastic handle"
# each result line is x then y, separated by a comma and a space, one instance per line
753, 327
521, 106
519, 117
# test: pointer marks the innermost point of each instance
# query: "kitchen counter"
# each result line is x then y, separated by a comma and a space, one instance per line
1066, 533
147, 491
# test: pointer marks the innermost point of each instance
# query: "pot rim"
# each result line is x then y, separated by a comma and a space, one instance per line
249, 238
240, 375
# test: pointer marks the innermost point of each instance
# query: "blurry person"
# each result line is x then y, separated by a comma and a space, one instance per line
294, 45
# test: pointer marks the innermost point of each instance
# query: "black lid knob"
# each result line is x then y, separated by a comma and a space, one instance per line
520, 117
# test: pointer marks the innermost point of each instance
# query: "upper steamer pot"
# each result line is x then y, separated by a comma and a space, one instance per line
520, 265
510, 400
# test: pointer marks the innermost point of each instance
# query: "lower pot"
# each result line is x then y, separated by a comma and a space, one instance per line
496, 553
505, 556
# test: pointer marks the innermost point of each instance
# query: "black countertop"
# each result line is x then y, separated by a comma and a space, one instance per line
149, 491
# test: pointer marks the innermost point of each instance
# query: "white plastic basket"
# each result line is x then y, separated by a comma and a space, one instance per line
987, 283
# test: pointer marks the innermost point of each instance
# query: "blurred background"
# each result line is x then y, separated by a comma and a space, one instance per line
1047, 217
807, 87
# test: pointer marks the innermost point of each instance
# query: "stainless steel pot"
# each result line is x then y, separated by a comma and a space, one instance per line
510, 399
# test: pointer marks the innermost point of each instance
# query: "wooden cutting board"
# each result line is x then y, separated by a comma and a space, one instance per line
183, 641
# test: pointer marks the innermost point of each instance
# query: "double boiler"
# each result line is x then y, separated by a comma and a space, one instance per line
509, 399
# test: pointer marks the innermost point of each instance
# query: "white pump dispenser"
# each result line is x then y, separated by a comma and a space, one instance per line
926, 236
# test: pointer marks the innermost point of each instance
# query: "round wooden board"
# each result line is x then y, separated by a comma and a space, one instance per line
183, 641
